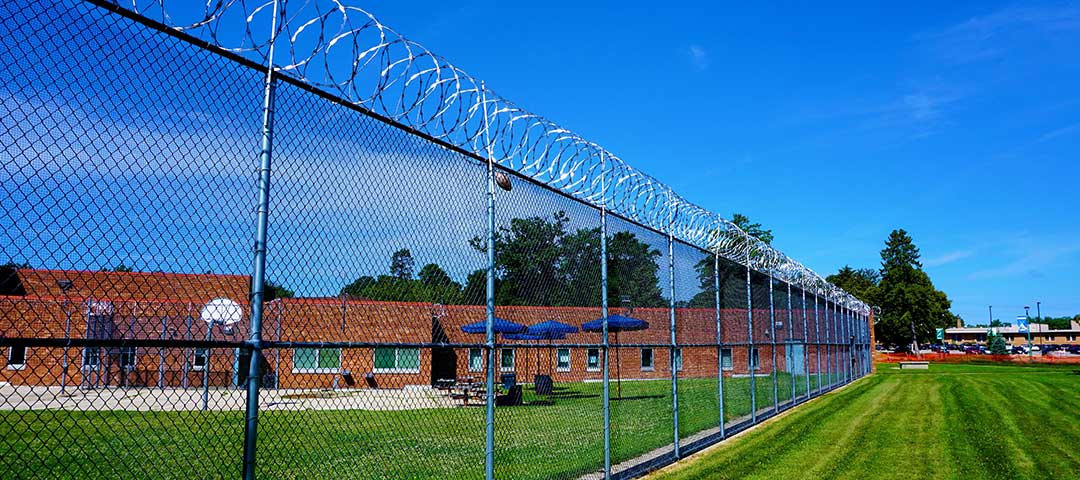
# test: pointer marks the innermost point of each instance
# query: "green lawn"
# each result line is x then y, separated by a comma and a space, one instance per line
953, 421
559, 437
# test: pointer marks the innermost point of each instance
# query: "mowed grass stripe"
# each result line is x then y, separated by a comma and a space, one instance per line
955, 421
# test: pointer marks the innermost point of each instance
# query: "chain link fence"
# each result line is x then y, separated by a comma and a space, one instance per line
279, 240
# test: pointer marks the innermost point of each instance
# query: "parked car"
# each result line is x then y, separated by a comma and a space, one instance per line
1018, 350
973, 349
1074, 349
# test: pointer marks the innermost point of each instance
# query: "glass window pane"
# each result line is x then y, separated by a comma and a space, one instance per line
384, 358
17, 355
725, 358
409, 358
476, 359
594, 358
646, 358
330, 358
507, 358
305, 358
564, 358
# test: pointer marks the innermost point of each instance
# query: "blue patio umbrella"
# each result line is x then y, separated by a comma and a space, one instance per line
616, 324
500, 326
551, 330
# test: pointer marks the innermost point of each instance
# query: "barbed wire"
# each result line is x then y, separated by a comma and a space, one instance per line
347, 52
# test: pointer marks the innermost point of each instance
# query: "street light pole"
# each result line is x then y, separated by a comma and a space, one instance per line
1038, 310
1028, 317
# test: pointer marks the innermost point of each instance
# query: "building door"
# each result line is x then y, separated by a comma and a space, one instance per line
796, 360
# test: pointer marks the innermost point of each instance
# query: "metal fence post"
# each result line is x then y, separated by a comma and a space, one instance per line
750, 350
772, 339
675, 353
489, 395
604, 315
817, 339
258, 277
719, 344
806, 341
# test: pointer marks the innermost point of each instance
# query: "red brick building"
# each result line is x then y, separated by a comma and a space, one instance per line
390, 341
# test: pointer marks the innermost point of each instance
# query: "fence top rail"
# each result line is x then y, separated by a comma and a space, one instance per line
345, 51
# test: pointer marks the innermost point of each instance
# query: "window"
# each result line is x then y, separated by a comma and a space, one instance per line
320, 360
592, 360
1050, 338
16, 359
476, 360
91, 358
127, 357
726, 362
506, 360
647, 359
563, 358
198, 359
678, 359
387, 360
754, 359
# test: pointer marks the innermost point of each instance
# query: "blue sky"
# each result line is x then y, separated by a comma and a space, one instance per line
831, 124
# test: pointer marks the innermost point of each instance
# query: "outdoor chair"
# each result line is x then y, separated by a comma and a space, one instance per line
543, 385
513, 398
508, 380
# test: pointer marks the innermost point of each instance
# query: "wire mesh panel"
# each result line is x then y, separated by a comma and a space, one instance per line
374, 256
126, 218
696, 323
735, 336
548, 272
781, 355
642, 417
819, 361
797, 345
760, 354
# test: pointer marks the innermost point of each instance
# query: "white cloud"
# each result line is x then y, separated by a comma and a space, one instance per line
698, 57
948, 258
993, 35
1060, 132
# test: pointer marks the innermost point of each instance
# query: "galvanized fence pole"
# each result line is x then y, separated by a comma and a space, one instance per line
676, 355
817, 339
750, 338
772, 340
258, 276
489, 342
719, 344
604, 315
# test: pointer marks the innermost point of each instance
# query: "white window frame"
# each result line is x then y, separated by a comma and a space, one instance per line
134, 352
678, 360
731, 359
755, 359
25, 355
513, 360
652, 360
318, 355
569, 359
195, 367
479, 367
96, 365
599, 360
